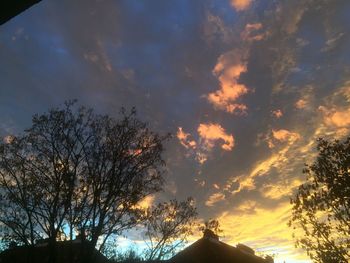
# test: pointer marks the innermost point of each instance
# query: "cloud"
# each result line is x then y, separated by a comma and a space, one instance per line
263, 229
241, 5
214, 29
285, 135
216, 186
252, 32
277, 113
146, 202
307, 99
301, 104
276, 49
281, 135
277, 190
277, 160
211, 133
228, 70
333, 42
247, 182
336, 118
336, 112
184, 139
215, 198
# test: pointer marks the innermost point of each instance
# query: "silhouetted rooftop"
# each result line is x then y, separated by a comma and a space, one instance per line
210, 250
66, 252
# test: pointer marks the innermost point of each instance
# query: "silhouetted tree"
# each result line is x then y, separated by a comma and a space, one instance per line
321, 206
76, 171
168, 226
129, 256
17, 201
212, 225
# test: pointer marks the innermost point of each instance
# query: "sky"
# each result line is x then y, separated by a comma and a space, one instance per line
244, 86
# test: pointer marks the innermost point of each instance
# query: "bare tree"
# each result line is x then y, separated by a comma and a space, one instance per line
168, 226
16, 210
74, 172
124, 165
321, 206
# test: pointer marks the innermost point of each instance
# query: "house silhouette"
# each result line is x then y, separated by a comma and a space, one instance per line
66, 252
209, 249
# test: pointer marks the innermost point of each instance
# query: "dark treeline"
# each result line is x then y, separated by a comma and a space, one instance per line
75, 174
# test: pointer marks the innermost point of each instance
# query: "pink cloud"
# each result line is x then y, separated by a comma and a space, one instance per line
228, 70
209, 136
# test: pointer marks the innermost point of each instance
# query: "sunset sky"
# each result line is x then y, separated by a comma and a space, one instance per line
244, 86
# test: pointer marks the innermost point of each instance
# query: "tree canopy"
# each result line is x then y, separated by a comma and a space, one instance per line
75, 172
321, 206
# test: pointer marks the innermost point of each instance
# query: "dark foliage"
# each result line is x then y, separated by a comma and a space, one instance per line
321, 207
213, 225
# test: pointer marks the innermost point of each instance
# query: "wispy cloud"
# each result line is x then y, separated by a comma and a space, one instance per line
215, 198
253, 32
277, 160
263, 229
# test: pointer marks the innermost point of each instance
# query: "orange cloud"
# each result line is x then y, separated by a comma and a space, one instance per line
277, 113
228, 70
210, 133
339, 118
285, 135
301, 104
277, 160
263, 229
146, 202
280, 189
241, 5
216, 186
336, 113
214, 198
247, 182
184, 139
251, 32
281, 135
